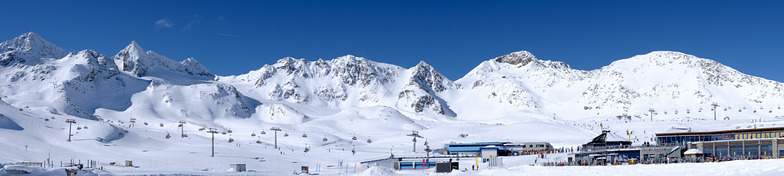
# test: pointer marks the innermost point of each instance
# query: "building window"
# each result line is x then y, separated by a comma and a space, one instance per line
707, 151
721, 151
736, 150
765, 150
752, 150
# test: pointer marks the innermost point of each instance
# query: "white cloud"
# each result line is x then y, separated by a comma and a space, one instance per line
163, 23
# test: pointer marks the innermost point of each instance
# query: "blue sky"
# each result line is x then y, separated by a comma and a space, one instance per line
235, 37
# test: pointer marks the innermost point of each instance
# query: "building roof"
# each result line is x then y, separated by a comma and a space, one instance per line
720, 132
608, 136
692, 152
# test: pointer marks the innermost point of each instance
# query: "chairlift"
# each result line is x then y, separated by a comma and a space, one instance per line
354, 138
78, 128
184, 135
202, 129
223, 133
325, 139
229, 131
168, 135
307, 149
85, 127
304, 135
262, 132
369, 141
253, 134
46, 120
145, 123
161, 124
258, 141
231, 140
286, 135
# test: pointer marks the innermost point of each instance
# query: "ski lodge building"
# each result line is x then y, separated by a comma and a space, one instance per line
756, 143
487, 149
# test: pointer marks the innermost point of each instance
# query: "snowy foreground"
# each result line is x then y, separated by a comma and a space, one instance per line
745, 167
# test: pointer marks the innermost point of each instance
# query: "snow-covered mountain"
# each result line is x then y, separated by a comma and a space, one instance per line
347, 81
666, 81
29, 49
78, 83
135, 60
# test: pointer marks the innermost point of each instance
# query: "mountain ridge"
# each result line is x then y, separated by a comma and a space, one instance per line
515, 82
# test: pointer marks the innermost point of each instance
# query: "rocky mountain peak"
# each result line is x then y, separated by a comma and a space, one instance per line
28, 48
137, 61
521, 58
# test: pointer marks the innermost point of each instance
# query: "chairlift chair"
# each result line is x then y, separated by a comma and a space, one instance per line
262, 132
168, 135
286, 135
325, 139
304, 135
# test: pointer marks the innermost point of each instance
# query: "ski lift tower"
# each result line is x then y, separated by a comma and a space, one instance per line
714, 109
182, 128
70, 122
427, 150
133, 121
651, 110
414, 134
276, 129
213, 131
